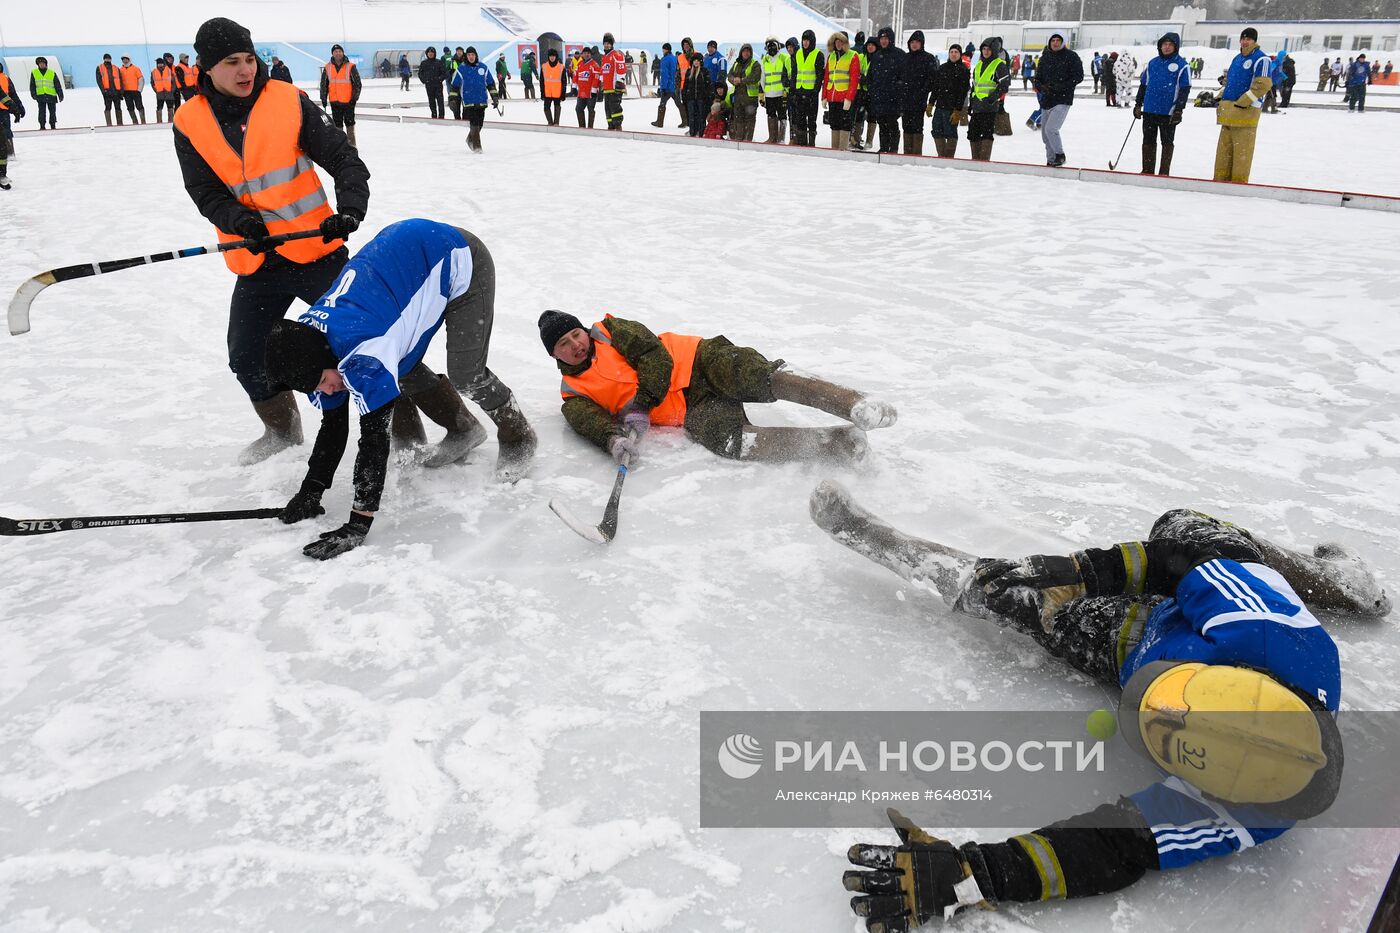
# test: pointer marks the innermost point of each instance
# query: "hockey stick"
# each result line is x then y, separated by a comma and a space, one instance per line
605, 530
1114, 164
30, 288
44, 526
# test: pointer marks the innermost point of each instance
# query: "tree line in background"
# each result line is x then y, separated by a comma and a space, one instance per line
958, 13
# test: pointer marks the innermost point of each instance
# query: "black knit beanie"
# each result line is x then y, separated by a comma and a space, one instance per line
219, 38
555, 324
1249, 32
296, 355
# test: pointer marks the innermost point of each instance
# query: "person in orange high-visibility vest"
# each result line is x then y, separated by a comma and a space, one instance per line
617, 379
10, 105
133, 82
189, 77
246, 147
554, 83
109, 81
163, 82
340, 87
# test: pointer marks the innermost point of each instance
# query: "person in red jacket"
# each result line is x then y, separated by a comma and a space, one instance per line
614, 76
586, 78
839, 88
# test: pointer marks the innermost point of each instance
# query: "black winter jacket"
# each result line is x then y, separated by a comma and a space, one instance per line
950, 86
1057, 75
319, 139
432, 71
886, 88
916, 77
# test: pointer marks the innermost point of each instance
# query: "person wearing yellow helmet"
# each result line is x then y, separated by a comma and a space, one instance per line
1230, 686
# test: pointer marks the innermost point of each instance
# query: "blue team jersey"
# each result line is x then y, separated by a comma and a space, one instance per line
1243, 70
383, 311
1229, 613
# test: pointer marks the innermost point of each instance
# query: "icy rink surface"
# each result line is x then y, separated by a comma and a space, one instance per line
479, 722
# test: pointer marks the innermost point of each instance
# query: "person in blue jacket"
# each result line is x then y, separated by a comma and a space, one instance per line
1162, 93
361, 346
716, 64
1358, 76
477, 86
1197, 624
668, 85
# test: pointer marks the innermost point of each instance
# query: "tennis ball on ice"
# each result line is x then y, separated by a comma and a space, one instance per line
1102, 724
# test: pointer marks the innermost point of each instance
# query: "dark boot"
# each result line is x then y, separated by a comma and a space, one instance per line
870, 129
846, 404
443, 404
774, 130
406, 428
591, 114
516, 439
350, 135
1149, 158
109, 119
1166, 167
660, 120
982, 150
908, 143
918, 140
1333, 578
474, 139
281, 428
843, 445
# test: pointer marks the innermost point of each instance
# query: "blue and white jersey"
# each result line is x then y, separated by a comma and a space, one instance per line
475, 82
1226, 612
1189, 827
1166, 83
383, 311
1231, 613
1243, 70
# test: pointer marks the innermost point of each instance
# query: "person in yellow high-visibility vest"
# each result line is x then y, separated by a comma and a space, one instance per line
46, 88
991, 79
839, 89
809, 71
777, 85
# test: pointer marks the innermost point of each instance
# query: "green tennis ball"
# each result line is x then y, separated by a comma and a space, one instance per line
1102, 724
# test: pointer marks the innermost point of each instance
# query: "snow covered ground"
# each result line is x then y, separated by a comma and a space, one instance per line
478, 721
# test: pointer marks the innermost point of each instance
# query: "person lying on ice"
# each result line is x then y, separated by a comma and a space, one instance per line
363, 342
619, 378
1200, 625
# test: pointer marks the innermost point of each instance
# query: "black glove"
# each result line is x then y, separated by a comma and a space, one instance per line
345, 538
1049, 581
1137, 111
338, 227
305, 504
911, 884
1176, 117
251, 227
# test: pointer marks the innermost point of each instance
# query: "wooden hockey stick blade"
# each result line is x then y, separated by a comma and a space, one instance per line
28, 290
581, 528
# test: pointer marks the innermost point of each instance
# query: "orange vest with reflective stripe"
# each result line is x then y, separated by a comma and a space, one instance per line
185, 75
273, 176
110, 77
4, 89
162, 80
612, 382
552, 80
338, 81
131, 77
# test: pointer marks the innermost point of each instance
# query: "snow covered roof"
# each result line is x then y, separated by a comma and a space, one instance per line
81, 22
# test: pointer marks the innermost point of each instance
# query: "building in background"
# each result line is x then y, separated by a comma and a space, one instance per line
79, 31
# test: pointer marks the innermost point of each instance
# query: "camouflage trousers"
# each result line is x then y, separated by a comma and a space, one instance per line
1095, 634
724, 378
